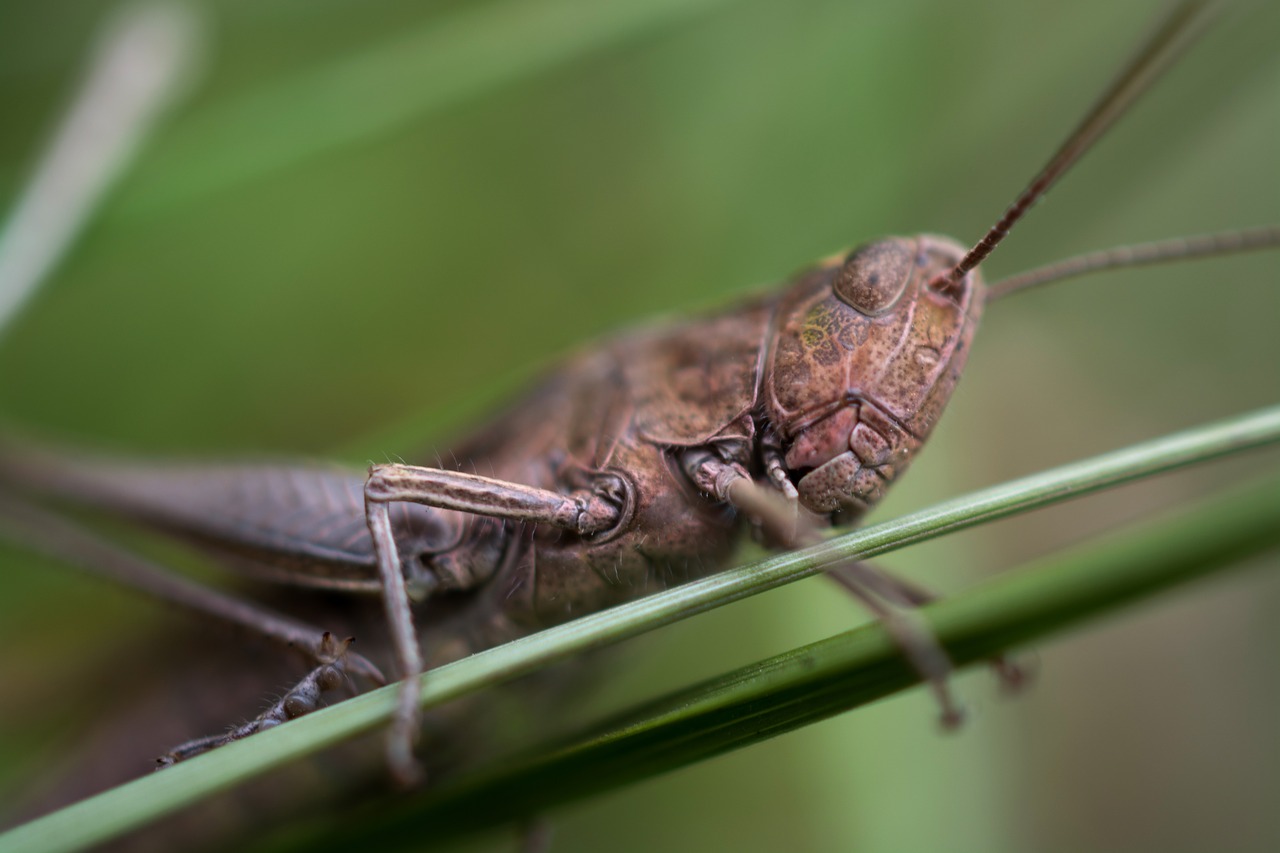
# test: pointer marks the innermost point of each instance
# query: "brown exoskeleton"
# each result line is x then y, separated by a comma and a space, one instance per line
631, 468
615, 447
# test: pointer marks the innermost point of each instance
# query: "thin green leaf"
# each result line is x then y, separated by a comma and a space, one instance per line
132, 805
814, 682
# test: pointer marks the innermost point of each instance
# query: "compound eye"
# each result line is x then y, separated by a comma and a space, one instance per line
875, 276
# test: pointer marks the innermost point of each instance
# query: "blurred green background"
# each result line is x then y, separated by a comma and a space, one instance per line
372, 219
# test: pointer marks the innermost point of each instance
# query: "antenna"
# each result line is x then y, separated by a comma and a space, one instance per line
1141, 254
1183, 25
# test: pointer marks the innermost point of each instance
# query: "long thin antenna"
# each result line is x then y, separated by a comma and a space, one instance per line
1141, 254
1184, 23
144, 56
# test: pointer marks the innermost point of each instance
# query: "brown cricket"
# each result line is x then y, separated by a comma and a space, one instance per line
635, 465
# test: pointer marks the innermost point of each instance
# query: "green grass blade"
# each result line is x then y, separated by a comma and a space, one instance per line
132, 805
814, 682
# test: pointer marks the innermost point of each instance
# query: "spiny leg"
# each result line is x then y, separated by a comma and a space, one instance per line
583, 512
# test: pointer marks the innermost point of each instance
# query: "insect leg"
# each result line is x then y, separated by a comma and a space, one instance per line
916, 641
303, 698
731, 483
904, 593
582, 512
47, 533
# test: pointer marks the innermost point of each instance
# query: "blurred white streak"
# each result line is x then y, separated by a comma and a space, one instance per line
145, 56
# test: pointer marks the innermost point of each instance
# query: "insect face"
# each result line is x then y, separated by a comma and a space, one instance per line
867, 352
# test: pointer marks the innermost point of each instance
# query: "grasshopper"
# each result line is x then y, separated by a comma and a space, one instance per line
712, 484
